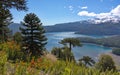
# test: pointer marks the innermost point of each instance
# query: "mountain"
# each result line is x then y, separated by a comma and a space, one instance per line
88, 27
15, 27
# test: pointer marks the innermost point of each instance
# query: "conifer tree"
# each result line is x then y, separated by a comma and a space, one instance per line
6, 16
34, 39
17, 4
71, 42
5, 20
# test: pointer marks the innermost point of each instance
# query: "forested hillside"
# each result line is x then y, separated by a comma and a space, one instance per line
81, 27
113, 41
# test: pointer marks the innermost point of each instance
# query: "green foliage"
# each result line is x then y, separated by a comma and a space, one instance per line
12, 50
63, 53
57, 52
105, 63
44, 66
87, 61
6, 16
113, 41
67, 55
18, 37
19, 4
116, 51
3, 60
34, 39
71, 42
5, 20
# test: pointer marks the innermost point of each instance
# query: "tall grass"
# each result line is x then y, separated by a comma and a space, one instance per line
43, 66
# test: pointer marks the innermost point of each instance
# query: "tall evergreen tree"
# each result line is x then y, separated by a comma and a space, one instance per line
17, 4
5, 20
33, 35
6, 16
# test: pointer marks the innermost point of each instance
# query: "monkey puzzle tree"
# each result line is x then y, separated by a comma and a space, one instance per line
6, 16
5, 20
17, 4
71, 42
87, 61
33, 35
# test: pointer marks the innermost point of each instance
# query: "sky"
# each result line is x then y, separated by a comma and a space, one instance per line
53, 12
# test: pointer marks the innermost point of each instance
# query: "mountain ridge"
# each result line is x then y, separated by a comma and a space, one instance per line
87, 27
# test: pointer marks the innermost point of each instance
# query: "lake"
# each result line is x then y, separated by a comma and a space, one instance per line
87, 49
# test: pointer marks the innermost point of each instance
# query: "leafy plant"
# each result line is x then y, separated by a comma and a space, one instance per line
105, 63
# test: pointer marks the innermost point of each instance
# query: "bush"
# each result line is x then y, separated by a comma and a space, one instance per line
3, 60
57, 52
116, 51
12, 50
105, 63
63, 53
18, 37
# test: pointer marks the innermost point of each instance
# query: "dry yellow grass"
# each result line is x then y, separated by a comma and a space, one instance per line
51, 57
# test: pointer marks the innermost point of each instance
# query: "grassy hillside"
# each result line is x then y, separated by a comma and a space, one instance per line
43, 65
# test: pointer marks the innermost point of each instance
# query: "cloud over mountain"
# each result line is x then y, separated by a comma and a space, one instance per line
113, 15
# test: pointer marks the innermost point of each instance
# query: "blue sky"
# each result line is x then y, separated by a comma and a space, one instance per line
60, 11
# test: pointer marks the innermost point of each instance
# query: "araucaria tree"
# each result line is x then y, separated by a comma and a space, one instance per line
6, 16
34, 39
5, 20
71, 42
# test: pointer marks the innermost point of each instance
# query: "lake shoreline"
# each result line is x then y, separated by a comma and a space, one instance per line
88, 49
98, 45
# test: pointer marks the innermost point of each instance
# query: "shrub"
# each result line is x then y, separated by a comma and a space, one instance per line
3, 60
44, 66
105, 63
57, 52
63, 53
87, 61
12, 50
18, 37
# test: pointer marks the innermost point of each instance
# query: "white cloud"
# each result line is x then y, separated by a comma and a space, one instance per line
86, 13
114, 14
85, 7
116, 11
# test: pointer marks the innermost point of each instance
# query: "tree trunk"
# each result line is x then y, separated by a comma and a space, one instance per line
70, 46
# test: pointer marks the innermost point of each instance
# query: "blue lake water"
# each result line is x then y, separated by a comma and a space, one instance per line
87, 49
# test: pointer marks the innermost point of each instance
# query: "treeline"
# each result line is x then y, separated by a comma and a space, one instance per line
113, 41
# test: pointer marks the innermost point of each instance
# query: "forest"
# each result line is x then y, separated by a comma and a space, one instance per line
110, 41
